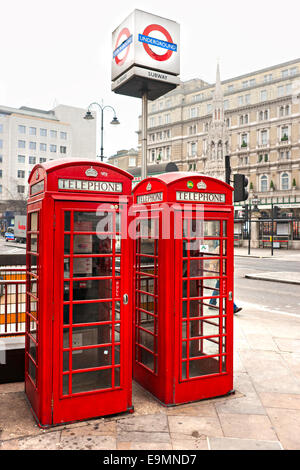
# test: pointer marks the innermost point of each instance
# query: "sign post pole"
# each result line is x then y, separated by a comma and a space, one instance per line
144, 133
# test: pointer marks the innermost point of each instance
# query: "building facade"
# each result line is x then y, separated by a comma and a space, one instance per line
29, 136
255, 118
124, 159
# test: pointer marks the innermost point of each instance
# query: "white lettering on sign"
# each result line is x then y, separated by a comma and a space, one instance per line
200, 197
154, 197
84, 185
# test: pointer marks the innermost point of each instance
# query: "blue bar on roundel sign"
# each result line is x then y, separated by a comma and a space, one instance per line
122, 46
158, 42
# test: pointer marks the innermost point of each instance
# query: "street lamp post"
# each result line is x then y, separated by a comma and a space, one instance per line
114, 122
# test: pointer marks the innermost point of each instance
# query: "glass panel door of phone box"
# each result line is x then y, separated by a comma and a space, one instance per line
183, 287
203, 305
79, 327
91, 327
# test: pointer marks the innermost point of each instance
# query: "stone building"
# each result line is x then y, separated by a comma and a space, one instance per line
255, 118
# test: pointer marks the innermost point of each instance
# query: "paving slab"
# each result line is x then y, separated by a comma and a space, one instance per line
191, 427
269, 373
247, 402
280, 400
287, 426
190, 444
245, 426
242, 444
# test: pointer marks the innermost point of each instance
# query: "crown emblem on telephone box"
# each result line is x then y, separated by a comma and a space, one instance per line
91, 172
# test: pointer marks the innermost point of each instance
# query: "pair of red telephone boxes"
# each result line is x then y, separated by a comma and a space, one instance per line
123, 283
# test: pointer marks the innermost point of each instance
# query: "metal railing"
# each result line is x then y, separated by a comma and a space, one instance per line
12, 301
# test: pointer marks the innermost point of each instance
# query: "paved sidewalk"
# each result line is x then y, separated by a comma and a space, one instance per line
263, 414
283, 277
266, 253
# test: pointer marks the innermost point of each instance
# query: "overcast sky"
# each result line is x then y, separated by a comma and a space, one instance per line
59, 51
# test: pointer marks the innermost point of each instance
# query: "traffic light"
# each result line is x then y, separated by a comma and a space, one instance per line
276, 212
240, 185
245, 212
227, 169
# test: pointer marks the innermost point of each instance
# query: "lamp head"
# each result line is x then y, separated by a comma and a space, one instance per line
115, 121
88, 116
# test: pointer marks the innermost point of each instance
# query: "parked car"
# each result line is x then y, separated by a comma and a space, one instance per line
9, 234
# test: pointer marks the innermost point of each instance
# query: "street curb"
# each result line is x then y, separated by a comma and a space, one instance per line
261, 278
254, 256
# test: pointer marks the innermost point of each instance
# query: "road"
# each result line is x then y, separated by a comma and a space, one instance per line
269, 296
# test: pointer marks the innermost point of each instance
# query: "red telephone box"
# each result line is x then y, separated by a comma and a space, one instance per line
78, 319
183, 327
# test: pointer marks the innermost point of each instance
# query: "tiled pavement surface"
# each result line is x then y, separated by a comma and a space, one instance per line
263, 414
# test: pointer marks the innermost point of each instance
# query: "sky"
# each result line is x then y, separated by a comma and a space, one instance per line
60, 51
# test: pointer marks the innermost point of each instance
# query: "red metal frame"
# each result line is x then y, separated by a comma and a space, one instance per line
52, 365
190, 336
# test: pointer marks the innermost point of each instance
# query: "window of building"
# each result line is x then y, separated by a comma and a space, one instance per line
152, 122
1, 173
193, 149
226, 105
168, 153
240, 100
1, 158
285, 182
21, 158
21, 144
63, 149
263, 95
289, 89
1, 143
152, 155
43, 160
264, 137
284, 133
52, 148
167, 118
63, 135
22, 129
43, 147
153, 108
244, 140
268, 77
132, 161
192, 129
193, 113
32, 160
285, 73
227, 122
32, 145
43, 132
294, 71
280, 90
209, 108
21, 174
0, 188
1, 128
230, 88
168, 103
247, 99
53, 134
167, 134
32, 130
263, 183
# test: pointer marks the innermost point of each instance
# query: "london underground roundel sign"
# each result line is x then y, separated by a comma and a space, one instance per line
122, 46
160, 40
